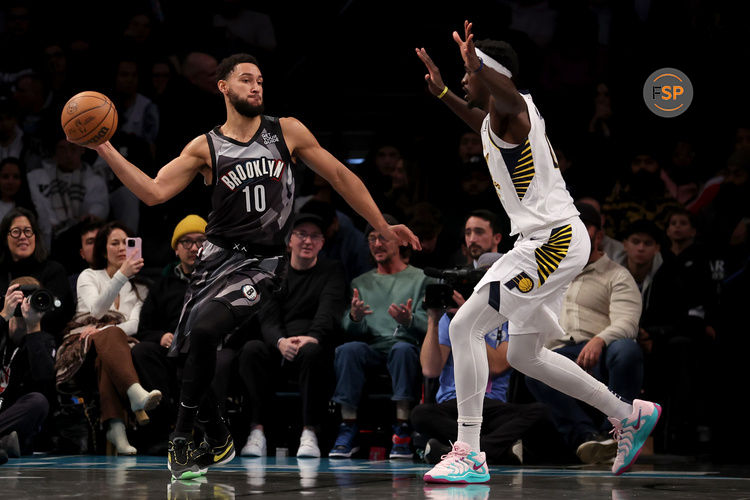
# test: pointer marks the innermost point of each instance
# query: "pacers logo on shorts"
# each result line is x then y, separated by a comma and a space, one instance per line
523, 282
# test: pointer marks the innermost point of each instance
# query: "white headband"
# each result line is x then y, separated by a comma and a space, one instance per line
491, 63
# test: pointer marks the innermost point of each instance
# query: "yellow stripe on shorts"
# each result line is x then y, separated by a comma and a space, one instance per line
550, 254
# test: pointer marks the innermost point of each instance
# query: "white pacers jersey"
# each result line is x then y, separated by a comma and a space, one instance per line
527, 178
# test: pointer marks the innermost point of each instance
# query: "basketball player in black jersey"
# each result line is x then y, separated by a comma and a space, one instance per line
249, 161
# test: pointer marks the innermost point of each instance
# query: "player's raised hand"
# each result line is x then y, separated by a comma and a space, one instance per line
467, 49
433, 78
403, 235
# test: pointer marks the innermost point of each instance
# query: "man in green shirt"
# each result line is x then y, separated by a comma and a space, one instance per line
385, 322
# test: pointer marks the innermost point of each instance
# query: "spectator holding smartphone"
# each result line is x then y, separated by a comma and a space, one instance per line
107, 315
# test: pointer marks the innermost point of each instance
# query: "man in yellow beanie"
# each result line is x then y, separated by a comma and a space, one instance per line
190, 229
159, 317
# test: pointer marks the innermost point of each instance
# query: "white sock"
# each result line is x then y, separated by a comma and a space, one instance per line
469, 431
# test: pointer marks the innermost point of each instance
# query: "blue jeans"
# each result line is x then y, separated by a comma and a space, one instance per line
620, 367
354, 359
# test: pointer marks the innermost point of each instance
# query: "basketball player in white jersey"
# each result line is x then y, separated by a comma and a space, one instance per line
527, 284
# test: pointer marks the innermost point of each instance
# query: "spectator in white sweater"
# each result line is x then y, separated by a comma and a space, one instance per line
107, 314
66, 191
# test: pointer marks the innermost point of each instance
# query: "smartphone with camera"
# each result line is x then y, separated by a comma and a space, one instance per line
133, 248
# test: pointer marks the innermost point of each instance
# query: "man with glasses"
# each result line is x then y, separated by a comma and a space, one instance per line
298, 331
159, 316
384, 325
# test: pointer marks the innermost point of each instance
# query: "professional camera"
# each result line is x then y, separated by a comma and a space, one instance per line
463, 280
440, 295
40, 299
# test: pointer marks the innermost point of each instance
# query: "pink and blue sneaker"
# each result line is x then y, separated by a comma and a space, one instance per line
461, 465
631, 433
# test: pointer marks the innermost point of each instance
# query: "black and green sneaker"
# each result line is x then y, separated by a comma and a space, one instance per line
181, 459
210, 452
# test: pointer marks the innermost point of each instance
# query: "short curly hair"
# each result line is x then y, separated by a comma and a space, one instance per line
227, 65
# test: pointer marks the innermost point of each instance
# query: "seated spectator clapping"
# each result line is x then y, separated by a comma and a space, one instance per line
386, 324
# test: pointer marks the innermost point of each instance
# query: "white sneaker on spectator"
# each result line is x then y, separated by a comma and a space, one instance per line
256, 445
308, 445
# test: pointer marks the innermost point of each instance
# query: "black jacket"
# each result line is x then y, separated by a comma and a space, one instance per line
312, 304
31, 362
163, 305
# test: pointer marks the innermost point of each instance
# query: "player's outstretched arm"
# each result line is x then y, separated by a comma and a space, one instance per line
303, 144
473, 117
171, 178
506, 100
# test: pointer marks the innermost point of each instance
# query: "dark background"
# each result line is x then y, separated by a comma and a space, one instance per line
347, 68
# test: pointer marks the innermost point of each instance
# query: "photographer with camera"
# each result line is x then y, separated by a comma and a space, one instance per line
27, 372
22, 253
482, 235
504, 423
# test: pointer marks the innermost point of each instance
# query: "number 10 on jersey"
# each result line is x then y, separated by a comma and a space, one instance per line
255, 201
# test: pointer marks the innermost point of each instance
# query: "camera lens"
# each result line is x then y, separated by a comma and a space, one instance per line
131, 243
41, 300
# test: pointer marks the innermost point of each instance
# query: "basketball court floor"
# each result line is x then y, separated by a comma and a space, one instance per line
146, 477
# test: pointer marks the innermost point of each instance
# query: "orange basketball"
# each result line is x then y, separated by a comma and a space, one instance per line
89, 119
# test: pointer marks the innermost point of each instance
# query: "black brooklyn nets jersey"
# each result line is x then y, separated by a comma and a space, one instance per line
253, 193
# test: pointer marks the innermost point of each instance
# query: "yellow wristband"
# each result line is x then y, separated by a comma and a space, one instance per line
442, 94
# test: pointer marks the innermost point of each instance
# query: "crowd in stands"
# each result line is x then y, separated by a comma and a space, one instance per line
657, 313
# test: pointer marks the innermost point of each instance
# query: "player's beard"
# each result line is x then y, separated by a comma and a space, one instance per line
243, 107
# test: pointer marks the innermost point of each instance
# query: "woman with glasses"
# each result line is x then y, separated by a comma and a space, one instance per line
22, 254
107, 315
